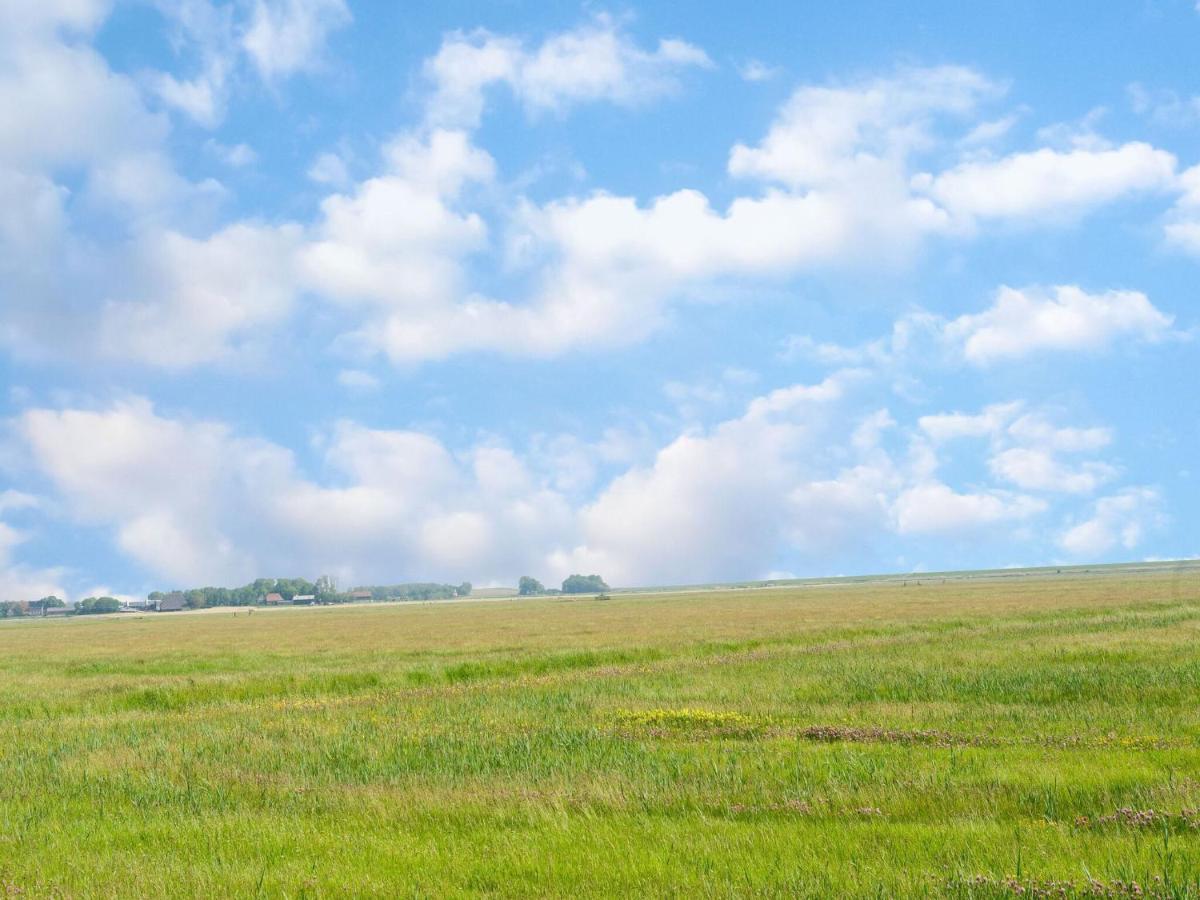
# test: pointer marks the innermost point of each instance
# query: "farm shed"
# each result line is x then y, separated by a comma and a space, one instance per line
173, 602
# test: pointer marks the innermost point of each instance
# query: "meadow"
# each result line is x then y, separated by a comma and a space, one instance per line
1034, 736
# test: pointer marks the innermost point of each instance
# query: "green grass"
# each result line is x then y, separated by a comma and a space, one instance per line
857, 740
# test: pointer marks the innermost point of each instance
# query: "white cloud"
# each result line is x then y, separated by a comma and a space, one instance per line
1033, 429
942, 427
1164, 107
201, 98
936, 508
398, 240
805, 472
357, 380
988, 132
330, 169
20, 582
399, 503
830, 134
12, 500
201, 297
1026, 447
236, 155
1039, 470
1048, 183
757, 70
595, 62
288, 36
726, 500
1066, 318
1183, 224
1120, 520
277, 37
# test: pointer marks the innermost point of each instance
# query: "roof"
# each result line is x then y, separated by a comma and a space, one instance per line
305, 597
171, 603
273, 598
360, 593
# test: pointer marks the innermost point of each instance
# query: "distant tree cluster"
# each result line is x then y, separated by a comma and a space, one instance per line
417, 591
584, 584
91, 606
11, 609
323, 590
528, 586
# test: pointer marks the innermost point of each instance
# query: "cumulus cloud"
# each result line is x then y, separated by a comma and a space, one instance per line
941, 427
424, 261
397, 242
936, 508
1027, 449
836, 187
1048, 183
330, 169
825, 134
595, 62
201, 297
804, 474
399, 503
1038, 470
1183, 223
277, 38
73, 121
717, 502
1117, 521
1022, 322
287, 36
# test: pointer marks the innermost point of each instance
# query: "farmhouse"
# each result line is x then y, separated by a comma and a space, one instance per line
173, 602
274, 599
361, 596
304, 598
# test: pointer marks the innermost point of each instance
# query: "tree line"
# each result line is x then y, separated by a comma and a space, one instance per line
323, 590
529, 586
15, 608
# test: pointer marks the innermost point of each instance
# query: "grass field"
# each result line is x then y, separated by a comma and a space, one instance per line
863, 740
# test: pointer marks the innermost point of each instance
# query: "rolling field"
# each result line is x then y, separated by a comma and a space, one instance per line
858, 740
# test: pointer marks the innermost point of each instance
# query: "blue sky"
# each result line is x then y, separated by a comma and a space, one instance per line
467, 291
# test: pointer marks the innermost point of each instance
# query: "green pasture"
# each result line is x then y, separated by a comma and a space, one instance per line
1033, 736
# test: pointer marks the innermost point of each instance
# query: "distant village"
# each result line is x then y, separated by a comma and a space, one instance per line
277, 592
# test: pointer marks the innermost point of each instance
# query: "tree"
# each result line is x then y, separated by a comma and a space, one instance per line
528, 586
46, 603
326, 588
584, 584
90, 606
464, 589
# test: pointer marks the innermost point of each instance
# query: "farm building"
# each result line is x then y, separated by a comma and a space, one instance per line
304, 598
361, 596
173, 602
274, 599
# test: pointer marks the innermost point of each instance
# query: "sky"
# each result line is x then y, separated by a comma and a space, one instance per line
671, 293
